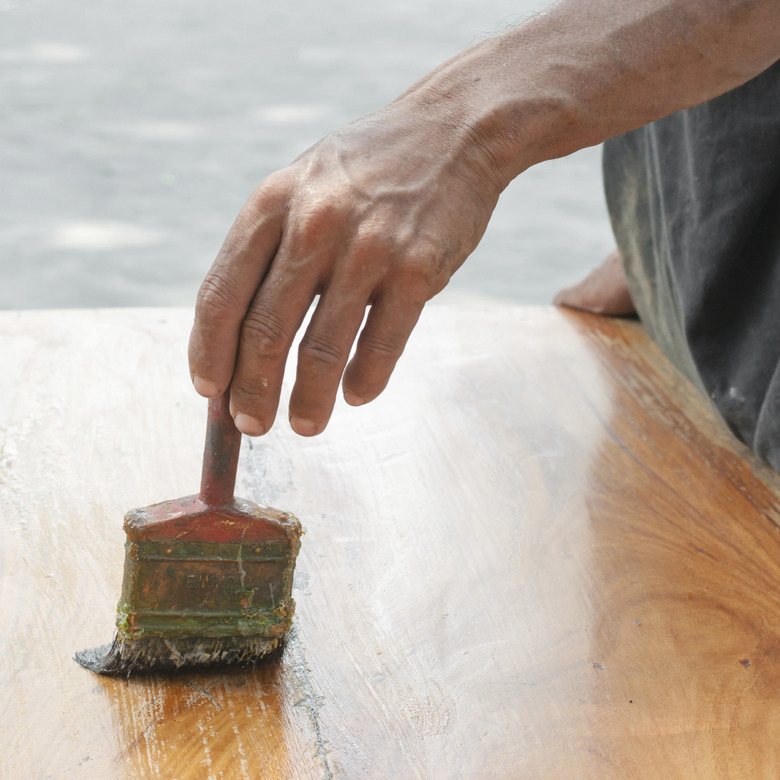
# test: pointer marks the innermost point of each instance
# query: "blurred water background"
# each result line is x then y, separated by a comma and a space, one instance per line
131, 134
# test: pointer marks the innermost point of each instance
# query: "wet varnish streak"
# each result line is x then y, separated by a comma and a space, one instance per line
539, 554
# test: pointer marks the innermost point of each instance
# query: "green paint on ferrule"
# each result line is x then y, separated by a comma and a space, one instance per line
134, 623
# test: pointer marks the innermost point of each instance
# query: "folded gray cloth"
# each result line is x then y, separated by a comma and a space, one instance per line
694, 200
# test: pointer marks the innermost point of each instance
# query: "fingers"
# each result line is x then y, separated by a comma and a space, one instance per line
302, 267
382, 340
229, 287
266, 335
398, 300
322, 355
270, 326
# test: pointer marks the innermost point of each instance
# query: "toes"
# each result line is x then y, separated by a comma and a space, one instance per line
603, 291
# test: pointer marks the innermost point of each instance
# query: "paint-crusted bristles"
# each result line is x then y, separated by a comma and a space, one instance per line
155, 654
208, 577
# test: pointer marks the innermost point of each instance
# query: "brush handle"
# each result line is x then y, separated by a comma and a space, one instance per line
220, 456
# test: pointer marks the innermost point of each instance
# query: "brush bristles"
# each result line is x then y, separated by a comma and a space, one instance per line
156, 654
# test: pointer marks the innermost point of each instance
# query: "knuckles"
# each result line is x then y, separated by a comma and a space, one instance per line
382, 345
265, 334
321, 352
316, 228
217, 304
270, 197
421, 274
381, 257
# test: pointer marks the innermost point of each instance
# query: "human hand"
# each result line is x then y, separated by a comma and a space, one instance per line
378, 214
382, 212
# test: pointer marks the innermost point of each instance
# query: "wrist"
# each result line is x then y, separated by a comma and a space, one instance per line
500, 115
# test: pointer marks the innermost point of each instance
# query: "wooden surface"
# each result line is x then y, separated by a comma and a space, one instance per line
538, 555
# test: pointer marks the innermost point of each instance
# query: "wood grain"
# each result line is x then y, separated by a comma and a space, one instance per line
538, 555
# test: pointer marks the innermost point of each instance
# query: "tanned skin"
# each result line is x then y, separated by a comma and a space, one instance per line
382, 212
603, 291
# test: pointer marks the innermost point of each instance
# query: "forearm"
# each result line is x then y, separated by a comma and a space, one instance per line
585, 71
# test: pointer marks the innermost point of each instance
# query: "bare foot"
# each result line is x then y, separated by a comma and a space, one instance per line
602, 291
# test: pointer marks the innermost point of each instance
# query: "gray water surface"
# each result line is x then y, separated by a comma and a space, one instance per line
131, 134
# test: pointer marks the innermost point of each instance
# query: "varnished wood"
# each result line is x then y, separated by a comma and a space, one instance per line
538, 555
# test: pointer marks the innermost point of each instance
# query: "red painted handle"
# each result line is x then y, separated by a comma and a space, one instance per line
220, 457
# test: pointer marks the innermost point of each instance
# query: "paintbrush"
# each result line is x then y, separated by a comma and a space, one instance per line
207, 578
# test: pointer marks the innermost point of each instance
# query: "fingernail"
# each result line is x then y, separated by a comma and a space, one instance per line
352, 399
249, 425
303, 427
204, 387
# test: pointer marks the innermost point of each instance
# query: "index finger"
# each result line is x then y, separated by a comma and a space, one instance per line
229, 287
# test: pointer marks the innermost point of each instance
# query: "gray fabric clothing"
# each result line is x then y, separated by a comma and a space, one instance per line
694, 200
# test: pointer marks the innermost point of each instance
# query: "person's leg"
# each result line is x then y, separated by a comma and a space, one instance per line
694, 200
603, 291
